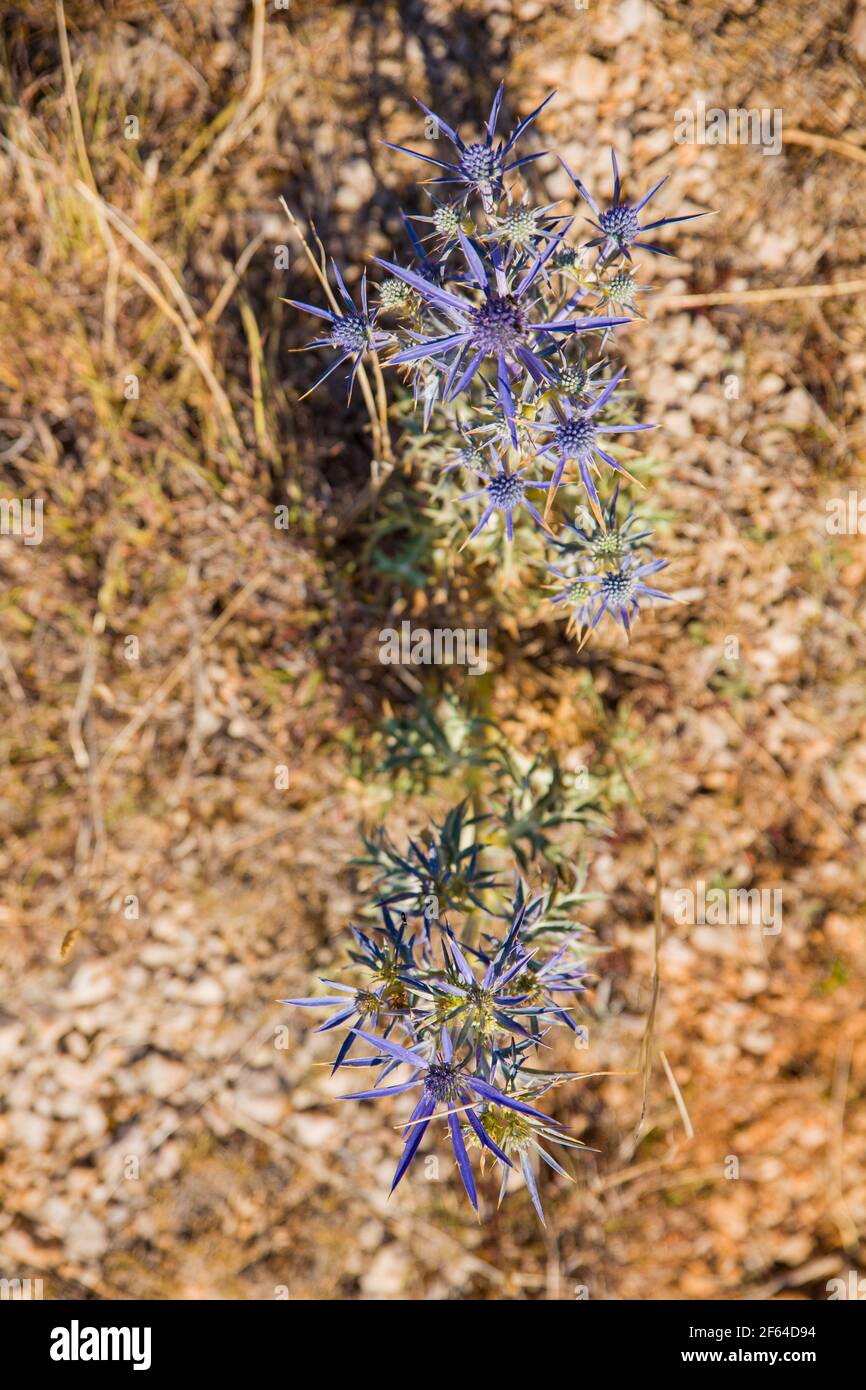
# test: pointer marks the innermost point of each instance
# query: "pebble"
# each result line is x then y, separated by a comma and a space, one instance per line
162, 1076
92, 983
798, 408
204, 992
386, 1275
314, 1131
33, 1131
357, 188
588, 78
86, 1237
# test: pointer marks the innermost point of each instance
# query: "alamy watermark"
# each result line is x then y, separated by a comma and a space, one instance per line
20, 1290
846, 516
737, 126
22, 518
729, 907
77, 1343
851, 1287
441, 646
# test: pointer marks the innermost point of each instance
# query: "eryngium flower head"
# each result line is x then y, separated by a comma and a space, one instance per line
574, 592
352, 1006
607, 543
443, 1082
620, 590
518, 225
393, 294
520, 1137
569, 259
514, 997
576, 437
505, 492
573, 379
353, 333
619, 226
469, 454
446, 868
482, 164
576, 380
501, 326
446, 220
620, 288
386, 952
498, 325
521, 227
621, 291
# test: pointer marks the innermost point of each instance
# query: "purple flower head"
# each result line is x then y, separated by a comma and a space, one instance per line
446, 869
352, 1005
445, 221
505, 492
619, 226
469, 454
574, 592
512, 997
482, 164
479, 1009
569, 261
620, 590
577, 435
520, 229
443, 1081
537, 981
574, 379
505, 324
394, 294
353, 332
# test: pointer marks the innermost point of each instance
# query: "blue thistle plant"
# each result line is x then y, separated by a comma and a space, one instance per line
481, 165
601, 569
496, 310
620, 590
619, 225
460, 1017
504, 325
455, 989
353, 333
576, 437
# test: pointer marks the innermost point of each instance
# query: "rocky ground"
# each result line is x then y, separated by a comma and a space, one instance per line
168, 1130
